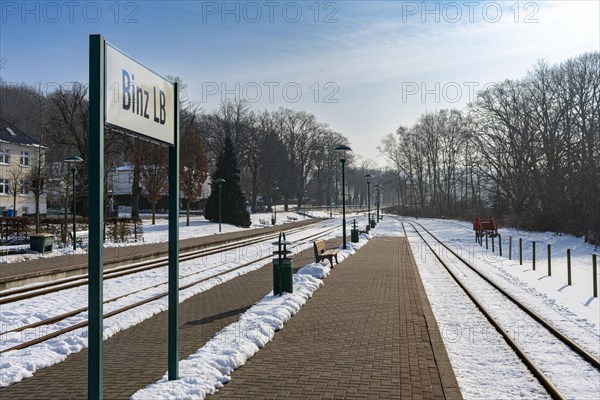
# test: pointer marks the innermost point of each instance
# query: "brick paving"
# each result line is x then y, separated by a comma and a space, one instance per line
114, 256
364, 335
137, 356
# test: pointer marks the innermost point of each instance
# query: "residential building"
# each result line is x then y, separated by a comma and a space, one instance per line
18, 160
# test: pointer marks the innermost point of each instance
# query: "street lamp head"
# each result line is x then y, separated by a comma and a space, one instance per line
368, 176
73, 159
219, 181
377, 187
342, 150
275, 188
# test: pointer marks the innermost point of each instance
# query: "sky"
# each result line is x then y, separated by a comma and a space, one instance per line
362, 67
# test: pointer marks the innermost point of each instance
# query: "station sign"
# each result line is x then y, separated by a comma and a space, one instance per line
137, 99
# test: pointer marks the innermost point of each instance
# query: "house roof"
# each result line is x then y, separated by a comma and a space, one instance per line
11, 134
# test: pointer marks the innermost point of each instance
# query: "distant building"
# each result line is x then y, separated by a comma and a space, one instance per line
120, 182
18, 158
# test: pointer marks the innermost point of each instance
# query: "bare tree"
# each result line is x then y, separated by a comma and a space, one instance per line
15, 173
193, 169
154, 172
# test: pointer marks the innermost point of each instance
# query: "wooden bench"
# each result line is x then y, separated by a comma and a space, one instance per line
81, 236
321, 253
290, 218
264, 222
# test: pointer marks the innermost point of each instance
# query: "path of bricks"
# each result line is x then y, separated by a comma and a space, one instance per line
114, 255
137, 356
364, 335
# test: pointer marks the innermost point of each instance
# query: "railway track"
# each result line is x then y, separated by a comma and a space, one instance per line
551, 352
158, 296
27, 292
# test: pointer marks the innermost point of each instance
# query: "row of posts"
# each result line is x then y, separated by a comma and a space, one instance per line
533, 258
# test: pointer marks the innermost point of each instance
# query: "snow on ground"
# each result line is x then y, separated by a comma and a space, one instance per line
159, 233
19, 364
479, 357
572, 309
207, 370
484, 365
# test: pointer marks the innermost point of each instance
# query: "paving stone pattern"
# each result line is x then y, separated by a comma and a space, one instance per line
362, 336
137, 356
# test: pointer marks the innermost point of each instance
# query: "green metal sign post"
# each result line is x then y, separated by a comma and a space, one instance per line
96, 209
174, 248
128, 111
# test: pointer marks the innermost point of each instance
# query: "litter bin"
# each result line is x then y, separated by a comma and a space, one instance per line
282, 267
41, 242
354, 233
373, 224
10, 213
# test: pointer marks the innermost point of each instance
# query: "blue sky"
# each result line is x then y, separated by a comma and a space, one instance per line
362, 67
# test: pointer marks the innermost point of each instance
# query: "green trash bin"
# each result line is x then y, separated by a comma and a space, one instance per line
283, 276
282, 267
354, 235
41, 242
373, 224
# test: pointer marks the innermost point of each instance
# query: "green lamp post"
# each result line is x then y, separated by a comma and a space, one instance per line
342, 150
73, 161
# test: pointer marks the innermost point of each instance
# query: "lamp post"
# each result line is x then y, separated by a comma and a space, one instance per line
220, 182
275, 189
342, 149
74, 160
378, 189
369, 176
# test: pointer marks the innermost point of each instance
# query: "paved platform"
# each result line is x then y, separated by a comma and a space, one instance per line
43, 269
366, 334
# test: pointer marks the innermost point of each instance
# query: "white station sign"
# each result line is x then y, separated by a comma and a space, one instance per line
137, 99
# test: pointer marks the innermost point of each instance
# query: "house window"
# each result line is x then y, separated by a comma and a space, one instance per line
23, 187
4, 156
24, 157
4, 186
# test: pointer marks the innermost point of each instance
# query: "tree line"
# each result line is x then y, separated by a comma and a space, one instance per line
526, 150
285, 156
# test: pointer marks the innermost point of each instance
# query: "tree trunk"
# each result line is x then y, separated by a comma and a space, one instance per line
153, 212
135, 193
37, 213
187, 222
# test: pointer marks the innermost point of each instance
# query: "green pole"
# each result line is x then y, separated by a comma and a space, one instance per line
533, 255
493, 245
369, 201
486, 240
220, 207
96, 221
568, 266
343, 161
549, 260
173, 353
500, 244
595, 272
510, 247
520, 251
74, 171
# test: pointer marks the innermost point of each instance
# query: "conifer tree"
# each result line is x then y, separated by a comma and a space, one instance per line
232, 200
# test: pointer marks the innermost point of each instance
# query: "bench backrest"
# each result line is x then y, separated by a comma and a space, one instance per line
319, 247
